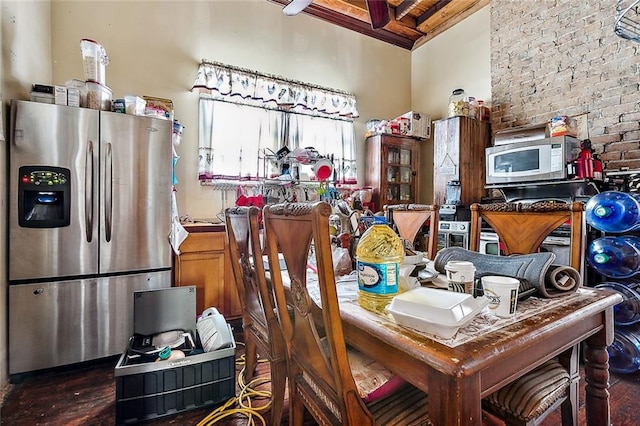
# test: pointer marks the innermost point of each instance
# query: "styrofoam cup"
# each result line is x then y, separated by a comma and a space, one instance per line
502, 293
460, 275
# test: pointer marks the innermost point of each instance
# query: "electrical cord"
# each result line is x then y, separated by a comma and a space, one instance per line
242, 403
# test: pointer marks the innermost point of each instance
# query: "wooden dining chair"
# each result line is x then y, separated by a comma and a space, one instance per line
332, 382
409, 218
521, 228
262, 333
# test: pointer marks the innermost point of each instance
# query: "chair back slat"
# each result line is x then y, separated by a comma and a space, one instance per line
319, 369
522, 227
409, 218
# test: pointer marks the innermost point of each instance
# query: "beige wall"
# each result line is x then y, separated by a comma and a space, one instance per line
155, 47
457, 58
26, 58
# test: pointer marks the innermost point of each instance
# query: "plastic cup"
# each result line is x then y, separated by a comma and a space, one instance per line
460, 275
502, 293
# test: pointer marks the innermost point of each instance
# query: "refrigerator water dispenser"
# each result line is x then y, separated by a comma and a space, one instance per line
43, 197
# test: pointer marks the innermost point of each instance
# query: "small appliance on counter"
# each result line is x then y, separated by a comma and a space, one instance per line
453, 234
532, 161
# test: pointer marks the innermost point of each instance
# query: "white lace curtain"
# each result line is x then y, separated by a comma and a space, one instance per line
238, 124
226, 81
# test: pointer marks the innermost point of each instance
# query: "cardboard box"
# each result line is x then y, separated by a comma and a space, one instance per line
73, 97
415, 124
148, 388
46, 98
60, 95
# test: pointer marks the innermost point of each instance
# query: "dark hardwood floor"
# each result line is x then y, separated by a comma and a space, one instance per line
85, 395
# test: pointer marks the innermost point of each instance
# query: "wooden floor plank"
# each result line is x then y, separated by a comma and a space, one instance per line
85, 395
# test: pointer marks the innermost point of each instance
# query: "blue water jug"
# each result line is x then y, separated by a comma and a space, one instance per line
615, 257
613, 211
624, 352
626, 312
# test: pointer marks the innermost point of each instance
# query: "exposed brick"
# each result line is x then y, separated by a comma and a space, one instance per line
604, 140
623, 127
631, 155
562, 57
617, 165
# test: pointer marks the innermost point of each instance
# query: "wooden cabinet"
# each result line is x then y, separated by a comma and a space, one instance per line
204, 263
459, 154
392, 169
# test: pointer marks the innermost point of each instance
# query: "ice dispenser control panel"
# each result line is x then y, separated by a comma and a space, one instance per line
44, 197
44, 178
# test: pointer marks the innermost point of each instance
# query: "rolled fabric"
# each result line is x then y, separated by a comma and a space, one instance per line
560, 280
530, 268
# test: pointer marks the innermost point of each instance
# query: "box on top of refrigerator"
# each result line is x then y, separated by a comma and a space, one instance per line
162, 371
415, 124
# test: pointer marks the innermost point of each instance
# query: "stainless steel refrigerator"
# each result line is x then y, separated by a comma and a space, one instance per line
89, 223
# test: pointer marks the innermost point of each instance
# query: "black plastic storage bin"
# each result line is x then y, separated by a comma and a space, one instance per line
156, 389
147, 389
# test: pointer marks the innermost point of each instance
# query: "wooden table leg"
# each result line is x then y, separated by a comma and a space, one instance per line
597, 373
454, 401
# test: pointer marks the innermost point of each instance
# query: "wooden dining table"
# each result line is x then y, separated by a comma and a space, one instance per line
457, 376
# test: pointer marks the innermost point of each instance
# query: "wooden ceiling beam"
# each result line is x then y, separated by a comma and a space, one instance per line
413, 22
447, 17
405, 7
354, 18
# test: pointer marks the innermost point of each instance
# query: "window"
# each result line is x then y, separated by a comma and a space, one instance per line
245, 115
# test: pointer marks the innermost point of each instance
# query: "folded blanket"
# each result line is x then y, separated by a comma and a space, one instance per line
535, 271
560, 280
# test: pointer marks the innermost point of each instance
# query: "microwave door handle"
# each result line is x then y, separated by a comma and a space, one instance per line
88, 191
108, 189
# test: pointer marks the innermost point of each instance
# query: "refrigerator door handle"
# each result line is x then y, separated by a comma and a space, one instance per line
108, 188
88, 191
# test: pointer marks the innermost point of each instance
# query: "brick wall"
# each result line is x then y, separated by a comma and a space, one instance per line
553, 57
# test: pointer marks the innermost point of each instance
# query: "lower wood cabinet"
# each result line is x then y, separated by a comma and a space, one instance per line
204, 262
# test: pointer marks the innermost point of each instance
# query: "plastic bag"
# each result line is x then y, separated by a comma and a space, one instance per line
341, 260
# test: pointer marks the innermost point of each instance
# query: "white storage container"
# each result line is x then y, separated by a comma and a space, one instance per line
96, 96
134, 105
94, 60
435, 311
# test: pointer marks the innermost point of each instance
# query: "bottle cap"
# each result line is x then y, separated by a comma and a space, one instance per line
602, 211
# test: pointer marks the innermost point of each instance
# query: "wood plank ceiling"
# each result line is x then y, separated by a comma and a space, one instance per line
413, 22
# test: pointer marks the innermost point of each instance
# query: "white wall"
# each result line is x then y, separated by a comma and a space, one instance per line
457, 58
26, 59
155, 48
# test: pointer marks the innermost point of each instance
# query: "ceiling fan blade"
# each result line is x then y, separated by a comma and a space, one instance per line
295, 6
378, 13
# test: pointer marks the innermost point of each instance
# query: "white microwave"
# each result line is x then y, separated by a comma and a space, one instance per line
531, 161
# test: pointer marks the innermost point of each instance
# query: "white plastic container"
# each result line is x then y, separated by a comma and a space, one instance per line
94, 60
95, 96
434, 311
134, 105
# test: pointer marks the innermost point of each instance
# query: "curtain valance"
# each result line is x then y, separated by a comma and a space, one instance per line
226, 81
